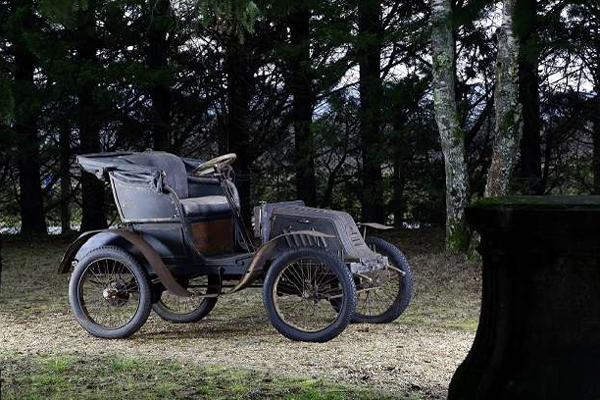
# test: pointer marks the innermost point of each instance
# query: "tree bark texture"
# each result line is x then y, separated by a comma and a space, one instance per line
239, 78
596, 153
596, 140
303, 103
398, 186
0, 258
451, 134
531, 153
30, 194
595, 116
370, 87
93, 204
509, 121
160, 92
399, 179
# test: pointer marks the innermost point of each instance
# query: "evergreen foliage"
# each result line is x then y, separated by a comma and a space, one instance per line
295, 89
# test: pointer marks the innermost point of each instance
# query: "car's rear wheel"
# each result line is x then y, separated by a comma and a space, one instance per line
298, 289
181, 310
110, 293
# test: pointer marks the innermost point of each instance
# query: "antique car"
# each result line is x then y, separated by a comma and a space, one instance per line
182, 243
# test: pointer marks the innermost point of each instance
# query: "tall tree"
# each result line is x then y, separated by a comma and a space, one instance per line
93, 204
30, 194
160, 93
595, 115
451, 134
370, 87
526, 26
65, 176
300, 84
596, 145
591, 43
0, 254
239, 78
509, 122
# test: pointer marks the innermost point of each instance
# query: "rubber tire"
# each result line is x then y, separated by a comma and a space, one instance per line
397, 258
141, 276
196, 315
348, 303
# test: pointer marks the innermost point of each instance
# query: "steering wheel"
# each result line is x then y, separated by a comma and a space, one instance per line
208, 167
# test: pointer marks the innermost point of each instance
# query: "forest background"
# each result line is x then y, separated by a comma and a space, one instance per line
397, 112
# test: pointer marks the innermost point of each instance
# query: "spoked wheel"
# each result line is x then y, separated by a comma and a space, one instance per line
109, 293
181, 310
389, 292
297, 291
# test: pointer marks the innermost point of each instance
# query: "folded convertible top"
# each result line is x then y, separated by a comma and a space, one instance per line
133, 168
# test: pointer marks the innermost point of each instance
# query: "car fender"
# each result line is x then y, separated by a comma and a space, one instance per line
265, 253
149, 254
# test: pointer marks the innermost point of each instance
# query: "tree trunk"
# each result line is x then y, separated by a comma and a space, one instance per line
596, 152
400, 156
509, 122
93, 204
451, 134
370, 87
596, 121
65, 178
0, 256
158, 63
30, 194
596, 140
303, 100
531, 153
399, 185
239, 80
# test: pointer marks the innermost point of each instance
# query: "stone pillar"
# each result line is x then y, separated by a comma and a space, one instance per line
539, 329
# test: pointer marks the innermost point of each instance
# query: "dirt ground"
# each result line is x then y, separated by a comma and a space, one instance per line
417, 353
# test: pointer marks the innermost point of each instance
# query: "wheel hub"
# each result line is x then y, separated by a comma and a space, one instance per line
115, 293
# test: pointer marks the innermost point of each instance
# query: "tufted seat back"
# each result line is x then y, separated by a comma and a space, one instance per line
176, 175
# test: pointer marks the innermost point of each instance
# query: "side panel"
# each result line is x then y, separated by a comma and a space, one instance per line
214, 237
139, 202
285, 223
167, 239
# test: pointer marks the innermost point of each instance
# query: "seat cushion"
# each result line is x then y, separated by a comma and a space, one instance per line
206, 207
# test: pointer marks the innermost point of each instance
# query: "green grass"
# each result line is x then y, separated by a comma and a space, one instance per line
84, 378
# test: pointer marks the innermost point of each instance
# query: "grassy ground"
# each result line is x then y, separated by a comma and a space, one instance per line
234, 353
141, 378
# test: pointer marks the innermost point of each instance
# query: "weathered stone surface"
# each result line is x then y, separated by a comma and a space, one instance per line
539, 330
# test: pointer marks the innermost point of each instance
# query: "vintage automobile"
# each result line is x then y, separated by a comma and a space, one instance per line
182, 244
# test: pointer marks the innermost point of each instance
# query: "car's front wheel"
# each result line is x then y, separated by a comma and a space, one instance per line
391, 289
297, 292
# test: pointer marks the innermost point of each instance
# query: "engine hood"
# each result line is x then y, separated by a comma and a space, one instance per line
346, 241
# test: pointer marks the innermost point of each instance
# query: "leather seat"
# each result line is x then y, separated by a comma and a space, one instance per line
206, 207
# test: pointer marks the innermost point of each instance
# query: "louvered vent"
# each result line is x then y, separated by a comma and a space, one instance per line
303, 240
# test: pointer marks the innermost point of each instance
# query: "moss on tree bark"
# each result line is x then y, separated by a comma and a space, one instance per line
451, 133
